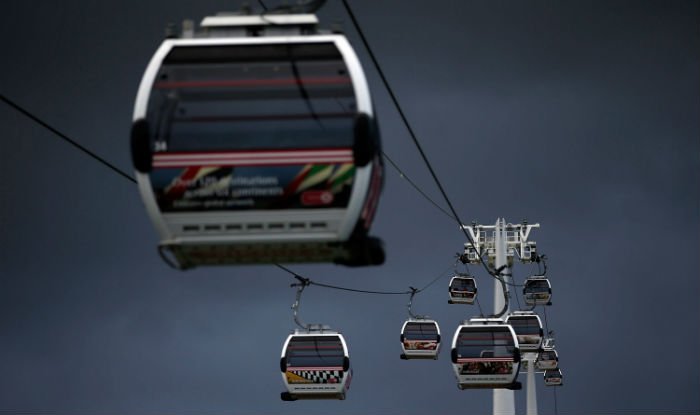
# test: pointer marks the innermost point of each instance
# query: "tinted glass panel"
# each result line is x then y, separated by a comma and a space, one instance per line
552, 374
537, 286
486, 342
251, 53
315, 351
525, 325
463, 284
420, 331
247, 97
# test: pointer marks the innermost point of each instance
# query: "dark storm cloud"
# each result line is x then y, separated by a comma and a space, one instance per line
580, 116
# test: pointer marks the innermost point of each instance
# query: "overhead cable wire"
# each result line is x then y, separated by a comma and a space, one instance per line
517, 295
335, 287
403, 116
308, 281
359, 291
72, 142
415, 139
542, 258
418, 189
408, 179
436, 279
481, 312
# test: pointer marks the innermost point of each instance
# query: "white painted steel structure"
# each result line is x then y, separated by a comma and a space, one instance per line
499, 244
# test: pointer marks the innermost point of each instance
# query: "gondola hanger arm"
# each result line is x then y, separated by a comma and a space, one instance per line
414, 291
303, 283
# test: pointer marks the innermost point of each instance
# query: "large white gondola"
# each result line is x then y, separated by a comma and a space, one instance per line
255, 141
553, 377
537, 291
547, 359
462, 289
528, 327
315, 365
420, 339
485, 354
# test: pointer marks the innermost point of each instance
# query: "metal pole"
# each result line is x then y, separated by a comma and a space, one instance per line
531, 388
503, 399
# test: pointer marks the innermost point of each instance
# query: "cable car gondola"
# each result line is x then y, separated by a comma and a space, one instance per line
485, 354
548, 342
548, 359
537, 291
315, 365
255, 141
420, 339
553, 377
462, 289
528, 327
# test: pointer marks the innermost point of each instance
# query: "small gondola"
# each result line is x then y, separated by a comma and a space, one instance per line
553, 377
255, 141
485, 354
471, 254
315, 365
548, 359
462, 289
549, 342
537, 291
528, 327
420, 339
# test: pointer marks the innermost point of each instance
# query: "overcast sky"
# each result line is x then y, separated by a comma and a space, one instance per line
581, 116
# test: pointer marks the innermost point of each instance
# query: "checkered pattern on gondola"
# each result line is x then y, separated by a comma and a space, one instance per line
320, 376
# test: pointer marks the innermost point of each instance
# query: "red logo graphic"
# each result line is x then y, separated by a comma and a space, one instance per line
316, 197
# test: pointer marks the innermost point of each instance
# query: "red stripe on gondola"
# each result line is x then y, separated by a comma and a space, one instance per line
257, 151
257, 158
489, 359
178, 190
263, 162
337, 80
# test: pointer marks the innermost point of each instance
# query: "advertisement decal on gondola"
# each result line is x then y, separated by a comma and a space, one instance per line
208, 186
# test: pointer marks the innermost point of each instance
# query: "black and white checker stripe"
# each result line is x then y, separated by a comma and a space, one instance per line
320, 376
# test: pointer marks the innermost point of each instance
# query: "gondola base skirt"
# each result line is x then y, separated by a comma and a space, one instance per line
357, 252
